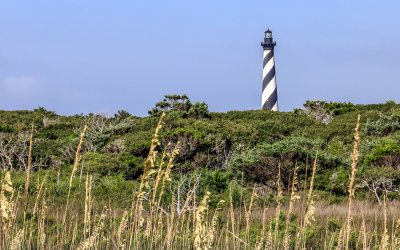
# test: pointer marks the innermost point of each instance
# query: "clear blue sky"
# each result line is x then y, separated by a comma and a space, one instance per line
101, 56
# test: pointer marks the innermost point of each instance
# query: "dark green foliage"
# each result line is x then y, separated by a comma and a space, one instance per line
333, 225
103, 164
261, 164
140, 149
337, 108
386, 153
180, 106
216, 181
199, 110
313, 236
122, 114
134, 166
43, 111
219, 146
196, 134
7, 128
55, 131
336, 181
385, 125
107, 188
354, 243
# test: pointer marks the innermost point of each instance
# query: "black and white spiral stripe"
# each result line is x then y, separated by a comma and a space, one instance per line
269, 90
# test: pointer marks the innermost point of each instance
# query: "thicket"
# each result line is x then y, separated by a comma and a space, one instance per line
90, 203
247, 145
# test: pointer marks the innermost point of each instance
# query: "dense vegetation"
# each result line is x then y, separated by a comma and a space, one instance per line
233, 156
213, 144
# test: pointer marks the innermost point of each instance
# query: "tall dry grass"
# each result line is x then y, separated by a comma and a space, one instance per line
352, 179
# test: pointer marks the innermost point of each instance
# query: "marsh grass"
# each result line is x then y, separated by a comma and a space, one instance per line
152, 223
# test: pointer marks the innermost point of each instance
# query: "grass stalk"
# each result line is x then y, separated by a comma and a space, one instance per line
293, 198
28, 171
352, 179
74, 169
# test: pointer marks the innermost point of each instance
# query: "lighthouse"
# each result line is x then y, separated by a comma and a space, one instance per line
269, 98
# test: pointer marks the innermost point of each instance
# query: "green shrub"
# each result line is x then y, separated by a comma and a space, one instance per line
261, 164
180, 106
134, 166
334, 180
43, 111
385, 125
386, 152
215, 181
337, 108
333, 225
199, 110
102, 164
7, 128
122, 114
